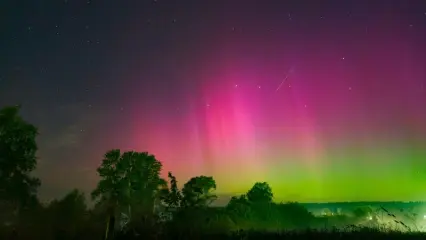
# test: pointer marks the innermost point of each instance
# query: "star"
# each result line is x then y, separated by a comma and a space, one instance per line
343, 58
258, 87
350, 88
236, 85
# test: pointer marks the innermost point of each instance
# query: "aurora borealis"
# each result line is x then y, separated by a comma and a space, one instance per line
325, 102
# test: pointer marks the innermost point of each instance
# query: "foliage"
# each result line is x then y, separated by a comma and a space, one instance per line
172, 197
131, 183
261, 192
239, 206
293, 215
198, 191
17, 160
69, 213
112, 189
143, 176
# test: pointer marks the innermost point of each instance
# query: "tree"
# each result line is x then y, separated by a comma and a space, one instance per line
131, 183
197, 192
239, 206
261, 192
112, 189
18, 159
293, 214
143, 174
69, 213
172, 197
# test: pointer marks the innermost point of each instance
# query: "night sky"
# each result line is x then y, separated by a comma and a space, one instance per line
324, 100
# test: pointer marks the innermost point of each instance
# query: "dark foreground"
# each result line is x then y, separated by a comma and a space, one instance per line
362, 234
289, 235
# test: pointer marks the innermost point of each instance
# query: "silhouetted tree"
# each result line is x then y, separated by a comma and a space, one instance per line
113, 188
239, 206
292, 215
261, 192
17, 160
143, 174
172, 197
69, 214
130, 183
197, 192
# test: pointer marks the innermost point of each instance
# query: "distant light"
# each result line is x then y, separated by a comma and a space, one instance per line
370, 218
424, 216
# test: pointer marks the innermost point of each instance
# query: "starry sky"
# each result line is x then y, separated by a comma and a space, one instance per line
324, 100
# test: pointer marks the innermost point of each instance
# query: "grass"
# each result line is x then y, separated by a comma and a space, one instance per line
362, 233
373, 230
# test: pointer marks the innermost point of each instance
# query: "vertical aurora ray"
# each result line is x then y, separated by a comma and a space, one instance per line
310, 148
229, 117
289, 144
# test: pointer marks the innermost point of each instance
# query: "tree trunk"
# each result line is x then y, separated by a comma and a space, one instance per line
109, 233
110, 228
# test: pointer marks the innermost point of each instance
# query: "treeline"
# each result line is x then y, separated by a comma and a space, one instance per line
132, 199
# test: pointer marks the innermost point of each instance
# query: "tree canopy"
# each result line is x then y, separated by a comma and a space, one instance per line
18, 159
260, 192
198, 191
130, 184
